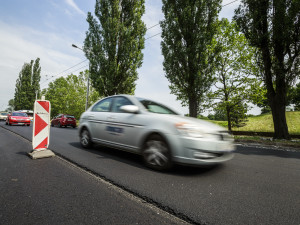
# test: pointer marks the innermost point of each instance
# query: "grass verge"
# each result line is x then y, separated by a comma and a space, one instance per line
294, 143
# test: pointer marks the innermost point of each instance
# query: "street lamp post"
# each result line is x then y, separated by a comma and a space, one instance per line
88, 81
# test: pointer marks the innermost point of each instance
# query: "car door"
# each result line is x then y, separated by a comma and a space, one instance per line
99, 117
126, 129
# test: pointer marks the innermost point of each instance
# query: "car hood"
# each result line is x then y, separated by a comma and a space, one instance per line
208, 126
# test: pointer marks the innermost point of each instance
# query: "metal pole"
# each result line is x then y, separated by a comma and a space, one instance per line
87, 89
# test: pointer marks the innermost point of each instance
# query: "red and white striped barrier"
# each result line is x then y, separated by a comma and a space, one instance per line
41, 130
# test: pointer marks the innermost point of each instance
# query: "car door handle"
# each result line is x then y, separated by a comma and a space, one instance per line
91, 116
111, 118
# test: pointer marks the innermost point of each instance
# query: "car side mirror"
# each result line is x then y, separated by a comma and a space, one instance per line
130, 108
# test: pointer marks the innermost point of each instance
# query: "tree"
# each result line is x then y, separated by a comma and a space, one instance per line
68, 95
114, 45
35, 79
187, 32
236, 71
273, 27
27, 85
295, 97
11, 106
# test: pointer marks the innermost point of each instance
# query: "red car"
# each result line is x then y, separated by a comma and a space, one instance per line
18, 118
64, 120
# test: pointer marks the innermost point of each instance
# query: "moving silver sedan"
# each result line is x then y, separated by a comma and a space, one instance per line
160, 135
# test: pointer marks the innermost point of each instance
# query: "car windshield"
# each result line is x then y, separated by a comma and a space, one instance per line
154, 107
19, 114
69, 116
4, 114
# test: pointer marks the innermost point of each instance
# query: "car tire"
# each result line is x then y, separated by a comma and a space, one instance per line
156, 153
74, 126
85, 139
28, 125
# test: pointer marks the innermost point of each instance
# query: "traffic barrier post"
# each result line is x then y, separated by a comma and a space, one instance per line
41, 130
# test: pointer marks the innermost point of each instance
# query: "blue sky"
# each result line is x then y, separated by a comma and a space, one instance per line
47, 29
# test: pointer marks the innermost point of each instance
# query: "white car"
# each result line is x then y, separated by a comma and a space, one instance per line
3, 115
160, 135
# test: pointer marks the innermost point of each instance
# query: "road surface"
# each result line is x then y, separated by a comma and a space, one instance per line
258, 186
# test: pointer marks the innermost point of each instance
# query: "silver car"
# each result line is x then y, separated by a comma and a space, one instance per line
160, 135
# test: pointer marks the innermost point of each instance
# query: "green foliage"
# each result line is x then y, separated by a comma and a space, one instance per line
114, 43
11, 105
235, 78
27, 85
295, 96
264, 123
219, 114
187, 32
68, 95
273, 27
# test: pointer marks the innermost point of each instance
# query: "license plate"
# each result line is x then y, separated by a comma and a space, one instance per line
70, 120
21, 123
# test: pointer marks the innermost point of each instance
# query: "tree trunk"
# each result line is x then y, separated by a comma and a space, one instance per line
228, 118
193, 107
277, 103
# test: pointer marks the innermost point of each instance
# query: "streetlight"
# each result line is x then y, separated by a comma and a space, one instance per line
88, 81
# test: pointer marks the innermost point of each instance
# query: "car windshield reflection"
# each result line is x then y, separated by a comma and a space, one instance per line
154, 107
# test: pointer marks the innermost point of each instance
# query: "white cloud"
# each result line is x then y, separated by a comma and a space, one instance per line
74, 6
20, 45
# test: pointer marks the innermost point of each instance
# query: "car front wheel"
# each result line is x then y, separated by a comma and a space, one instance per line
85, 139
156, 153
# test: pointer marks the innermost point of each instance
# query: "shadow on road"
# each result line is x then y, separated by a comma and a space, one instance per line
135, 160
268, 152
23, 153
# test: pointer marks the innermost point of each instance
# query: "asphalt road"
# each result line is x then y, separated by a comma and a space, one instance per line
258, 186
53, 191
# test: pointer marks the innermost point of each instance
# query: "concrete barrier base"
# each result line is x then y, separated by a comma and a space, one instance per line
41, 154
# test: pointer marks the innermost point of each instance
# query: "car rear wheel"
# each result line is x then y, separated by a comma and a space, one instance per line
156, 153
85, 139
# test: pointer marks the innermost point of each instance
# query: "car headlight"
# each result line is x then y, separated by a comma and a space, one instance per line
190, 130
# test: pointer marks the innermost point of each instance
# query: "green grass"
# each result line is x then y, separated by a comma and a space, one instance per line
295, 143
264, 123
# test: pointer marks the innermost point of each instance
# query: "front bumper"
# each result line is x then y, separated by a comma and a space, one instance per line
19, 122
201, 151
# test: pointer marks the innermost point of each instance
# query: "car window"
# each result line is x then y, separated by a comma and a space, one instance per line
19, 114
118, 102
69, 116
103, 106
156, 107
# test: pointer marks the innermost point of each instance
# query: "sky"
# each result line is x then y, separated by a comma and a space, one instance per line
47, 29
